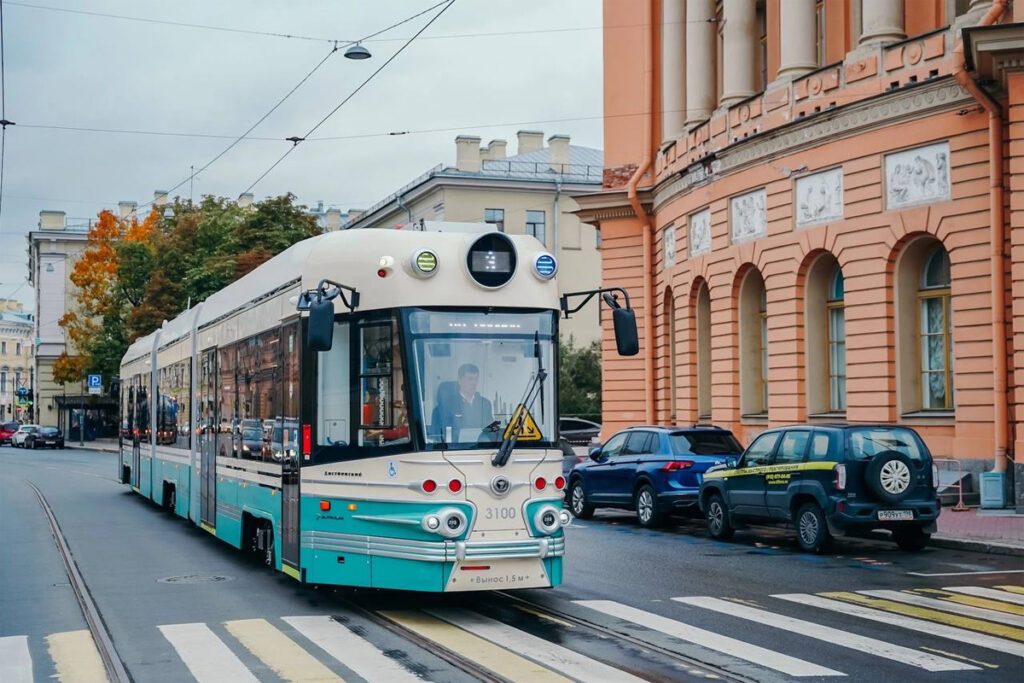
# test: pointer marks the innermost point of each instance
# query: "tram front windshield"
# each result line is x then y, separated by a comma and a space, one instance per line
472, 370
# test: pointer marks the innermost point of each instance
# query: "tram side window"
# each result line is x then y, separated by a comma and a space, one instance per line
334, 408
285, 439
142, 409
257, 380
173, 427
383, 418
228, 401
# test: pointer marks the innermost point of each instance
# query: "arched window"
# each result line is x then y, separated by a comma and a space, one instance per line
753, 347
836, 342
936, 332
703, 311
670, 355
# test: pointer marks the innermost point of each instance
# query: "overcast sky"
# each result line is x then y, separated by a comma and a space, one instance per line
66, 69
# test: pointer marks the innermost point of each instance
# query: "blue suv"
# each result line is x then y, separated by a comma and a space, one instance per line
653, 470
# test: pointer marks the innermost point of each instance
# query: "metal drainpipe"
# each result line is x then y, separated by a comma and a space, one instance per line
1000, 411
554, 216
641, 214
398, 200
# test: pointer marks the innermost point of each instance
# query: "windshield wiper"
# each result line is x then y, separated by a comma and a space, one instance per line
534, 388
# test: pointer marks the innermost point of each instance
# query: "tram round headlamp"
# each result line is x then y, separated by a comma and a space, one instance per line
491, 260
432, 523
424, 263
564, 517
547, 519
545, 266
453, 522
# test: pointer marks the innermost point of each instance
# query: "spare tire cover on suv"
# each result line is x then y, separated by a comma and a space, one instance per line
890, 475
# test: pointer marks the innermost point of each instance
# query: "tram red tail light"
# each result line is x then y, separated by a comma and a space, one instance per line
541, 483
559, 483
429, 485
677, 465
325, 505
455, 486
383, 272
307, 439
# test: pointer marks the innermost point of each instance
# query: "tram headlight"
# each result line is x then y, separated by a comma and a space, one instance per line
431, 523
449, 523
564, 517
547, 519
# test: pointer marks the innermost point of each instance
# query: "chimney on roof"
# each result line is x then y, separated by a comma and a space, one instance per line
495, 149
159, 197
244, 200
558, 153
332, 219
529, 141
126, 209
51, 220
467, 153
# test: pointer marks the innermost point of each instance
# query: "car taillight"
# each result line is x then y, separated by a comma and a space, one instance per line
840, 472
677, 465
935, 475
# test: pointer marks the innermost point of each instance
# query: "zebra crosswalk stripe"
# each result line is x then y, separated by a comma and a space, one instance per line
75, 657
708, 639
206, 655
902, 621
564, 660
946, 606
833, 636
486, 654
279, 652
1012, 589
15, 660
1004, 596
355, 652
974, 601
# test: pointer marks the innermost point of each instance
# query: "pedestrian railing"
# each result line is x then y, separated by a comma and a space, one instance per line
959, 485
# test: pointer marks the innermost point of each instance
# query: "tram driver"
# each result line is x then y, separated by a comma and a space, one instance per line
460, 405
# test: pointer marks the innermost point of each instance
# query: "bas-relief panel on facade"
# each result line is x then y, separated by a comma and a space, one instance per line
917, 176
700, 232
747, 214
670, 246
819, 198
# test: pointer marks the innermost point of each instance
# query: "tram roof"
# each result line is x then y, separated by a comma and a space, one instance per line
353, 258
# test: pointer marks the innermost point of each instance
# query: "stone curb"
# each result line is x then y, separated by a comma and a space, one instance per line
978, 545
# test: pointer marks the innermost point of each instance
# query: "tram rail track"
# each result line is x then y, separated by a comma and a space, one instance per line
115, 668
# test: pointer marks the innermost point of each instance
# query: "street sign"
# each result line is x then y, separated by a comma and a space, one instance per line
22, 391
95, 385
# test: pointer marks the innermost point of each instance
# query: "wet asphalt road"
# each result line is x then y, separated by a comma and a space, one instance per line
145, 568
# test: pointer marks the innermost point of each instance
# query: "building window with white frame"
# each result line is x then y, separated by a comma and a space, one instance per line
3, 382
836, 356
17, 349
535, 225
495, 217
936, 332
3, 348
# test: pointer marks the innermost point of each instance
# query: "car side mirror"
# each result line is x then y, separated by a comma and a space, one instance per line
624, 323
320, 333
595, 453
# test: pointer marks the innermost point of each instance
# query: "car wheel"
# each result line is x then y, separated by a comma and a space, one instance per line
646, 504
578, 501
719, 525
912, 540
811, 529
890, 476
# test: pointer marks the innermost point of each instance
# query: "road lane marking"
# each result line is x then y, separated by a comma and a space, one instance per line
75, 657
998, 630
987, 665
1002, 596
469, 646
941, 630
1012, 589
564, 660
205, 655
833, 636
985, 603
547, 617
278, 651
1003, 571
965, 609
15, 660
355, 652
710, 640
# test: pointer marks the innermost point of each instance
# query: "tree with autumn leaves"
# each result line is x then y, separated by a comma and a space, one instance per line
135, 274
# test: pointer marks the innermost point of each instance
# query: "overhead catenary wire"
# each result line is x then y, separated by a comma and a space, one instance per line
3, 114
299, 139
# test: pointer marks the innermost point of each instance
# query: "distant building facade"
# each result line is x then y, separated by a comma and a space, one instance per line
16, 362
530, 192
817, 216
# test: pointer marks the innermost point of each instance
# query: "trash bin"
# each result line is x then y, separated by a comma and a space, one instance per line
993, 491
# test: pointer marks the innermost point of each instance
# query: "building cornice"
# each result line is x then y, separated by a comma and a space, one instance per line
887, 109
595, 207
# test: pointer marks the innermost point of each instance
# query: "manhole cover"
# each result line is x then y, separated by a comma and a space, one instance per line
195, 578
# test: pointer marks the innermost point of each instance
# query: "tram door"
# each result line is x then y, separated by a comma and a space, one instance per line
288, 423
135, 431
208, 438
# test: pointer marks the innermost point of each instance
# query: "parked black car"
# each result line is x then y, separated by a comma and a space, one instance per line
578, 432
828, 480
45, 437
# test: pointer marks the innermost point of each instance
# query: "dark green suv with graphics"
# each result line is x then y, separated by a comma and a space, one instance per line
828, 480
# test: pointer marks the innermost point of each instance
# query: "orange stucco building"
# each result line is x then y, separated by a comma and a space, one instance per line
816, 207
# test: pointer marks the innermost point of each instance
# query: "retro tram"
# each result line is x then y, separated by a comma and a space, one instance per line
368, 408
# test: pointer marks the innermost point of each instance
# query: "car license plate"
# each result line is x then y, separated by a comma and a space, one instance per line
895, 515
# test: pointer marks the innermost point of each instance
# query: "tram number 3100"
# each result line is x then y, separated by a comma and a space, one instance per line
500, 513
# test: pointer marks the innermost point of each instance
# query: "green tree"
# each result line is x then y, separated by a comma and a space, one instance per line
579, 380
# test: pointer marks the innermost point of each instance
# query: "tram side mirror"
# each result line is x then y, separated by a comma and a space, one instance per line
624, 322
320, 335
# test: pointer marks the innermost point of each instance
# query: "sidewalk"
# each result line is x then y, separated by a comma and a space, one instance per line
991, 531
104, 445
